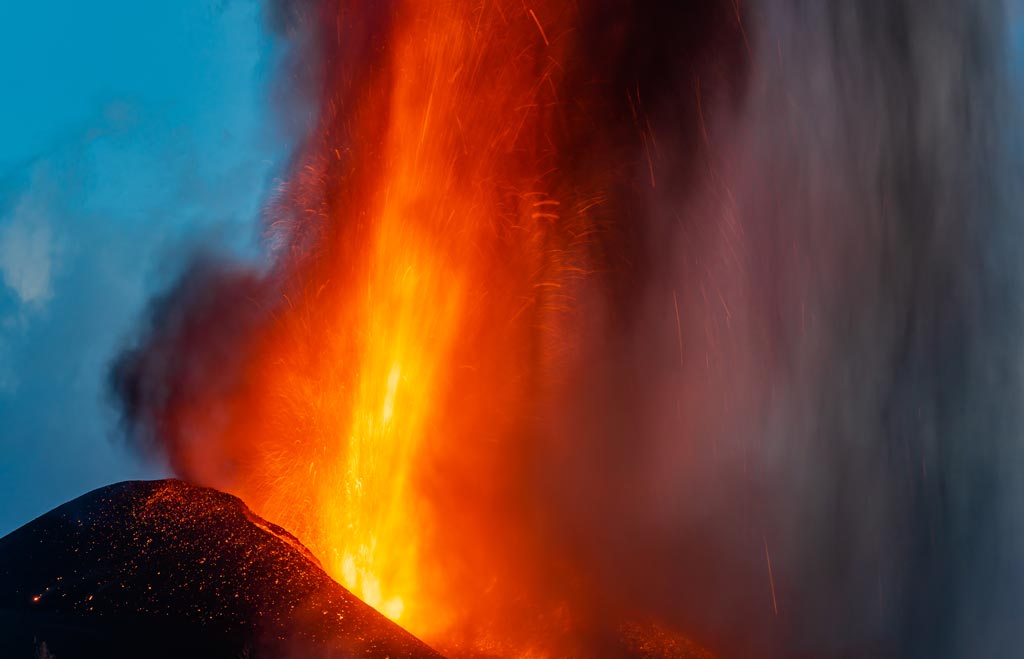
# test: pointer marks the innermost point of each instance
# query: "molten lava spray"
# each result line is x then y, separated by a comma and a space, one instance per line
548, 339
438, 260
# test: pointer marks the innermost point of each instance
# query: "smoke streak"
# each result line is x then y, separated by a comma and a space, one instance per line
761, 382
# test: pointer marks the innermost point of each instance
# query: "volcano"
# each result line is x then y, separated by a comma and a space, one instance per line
169, 569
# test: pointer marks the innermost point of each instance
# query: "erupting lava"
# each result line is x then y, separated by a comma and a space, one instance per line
430, 261
384, 391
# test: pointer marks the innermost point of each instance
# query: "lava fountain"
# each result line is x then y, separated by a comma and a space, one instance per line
437, 256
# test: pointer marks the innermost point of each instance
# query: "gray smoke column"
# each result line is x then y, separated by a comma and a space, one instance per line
824, 377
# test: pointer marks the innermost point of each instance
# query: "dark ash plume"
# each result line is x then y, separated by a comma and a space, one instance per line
189, 357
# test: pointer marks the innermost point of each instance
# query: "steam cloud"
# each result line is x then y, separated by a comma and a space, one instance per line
792, 425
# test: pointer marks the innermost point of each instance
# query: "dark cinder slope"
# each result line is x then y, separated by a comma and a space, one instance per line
168, 569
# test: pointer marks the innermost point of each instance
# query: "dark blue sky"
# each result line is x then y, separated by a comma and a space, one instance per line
130, 132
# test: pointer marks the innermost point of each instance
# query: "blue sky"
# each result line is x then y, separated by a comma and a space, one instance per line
130, 131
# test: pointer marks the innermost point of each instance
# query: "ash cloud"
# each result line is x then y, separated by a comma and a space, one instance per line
840, 394
189, 356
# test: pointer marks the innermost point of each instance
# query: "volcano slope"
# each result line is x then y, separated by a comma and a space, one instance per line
168, 569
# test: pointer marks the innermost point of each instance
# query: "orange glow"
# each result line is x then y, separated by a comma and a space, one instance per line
433, 255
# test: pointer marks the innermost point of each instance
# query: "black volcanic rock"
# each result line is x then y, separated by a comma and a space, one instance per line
168, 569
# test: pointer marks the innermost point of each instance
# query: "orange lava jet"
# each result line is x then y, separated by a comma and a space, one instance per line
432, 253
440, 269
